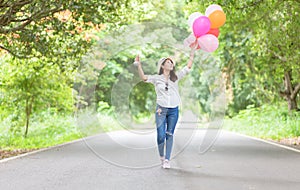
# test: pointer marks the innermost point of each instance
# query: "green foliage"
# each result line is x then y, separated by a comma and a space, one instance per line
205, 85
27, 87
116, 53
54, 45
267, 121
246, 76
258, 44
142, 100
57, 29
47, 129
106, 80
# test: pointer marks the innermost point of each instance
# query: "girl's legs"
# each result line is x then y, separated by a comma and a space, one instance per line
160, 119
166, 120
172, 118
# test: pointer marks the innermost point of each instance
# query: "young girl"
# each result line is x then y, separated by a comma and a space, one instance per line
168, 100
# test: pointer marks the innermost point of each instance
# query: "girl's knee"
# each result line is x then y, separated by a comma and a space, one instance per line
169, 135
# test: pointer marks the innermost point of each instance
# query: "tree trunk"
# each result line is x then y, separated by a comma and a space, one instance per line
290, 93
28, 110
292, 104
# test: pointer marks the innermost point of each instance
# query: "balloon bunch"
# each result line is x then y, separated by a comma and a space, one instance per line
206, 28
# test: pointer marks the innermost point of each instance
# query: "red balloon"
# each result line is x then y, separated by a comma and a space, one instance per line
214, 31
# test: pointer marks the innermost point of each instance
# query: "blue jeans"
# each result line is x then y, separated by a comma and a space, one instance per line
166, 120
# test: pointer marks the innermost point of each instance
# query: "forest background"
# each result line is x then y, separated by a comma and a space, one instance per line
50, 49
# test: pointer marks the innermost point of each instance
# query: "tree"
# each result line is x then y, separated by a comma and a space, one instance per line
116, 51
33, 28
273, 47
26, 88
277, 40
47, 39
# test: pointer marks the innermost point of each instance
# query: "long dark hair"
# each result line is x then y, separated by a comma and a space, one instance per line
173, 76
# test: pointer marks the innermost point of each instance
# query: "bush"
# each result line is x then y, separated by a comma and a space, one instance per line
268, 121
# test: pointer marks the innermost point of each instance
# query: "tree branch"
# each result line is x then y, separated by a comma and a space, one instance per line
34, 17
20, 27
296, 91
253, 18
10, 15
12, 9
11, 52
3, 4
22, 3
19, 20
277, 55
253, 4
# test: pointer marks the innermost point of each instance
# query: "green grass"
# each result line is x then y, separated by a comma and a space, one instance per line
268, 122
51, 129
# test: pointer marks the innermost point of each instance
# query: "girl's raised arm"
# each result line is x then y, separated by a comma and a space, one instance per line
137, 62
192, 53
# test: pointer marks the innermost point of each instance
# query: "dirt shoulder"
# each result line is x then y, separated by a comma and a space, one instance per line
11, 153
290, 142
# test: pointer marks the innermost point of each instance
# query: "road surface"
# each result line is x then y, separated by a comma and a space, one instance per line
128, 160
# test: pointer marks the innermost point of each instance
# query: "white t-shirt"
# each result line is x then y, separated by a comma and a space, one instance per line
167, 98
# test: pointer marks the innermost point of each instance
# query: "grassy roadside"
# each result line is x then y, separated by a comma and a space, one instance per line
270, 122
48, 130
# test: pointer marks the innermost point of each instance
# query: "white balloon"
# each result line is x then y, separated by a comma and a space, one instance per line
193, 17
211, 8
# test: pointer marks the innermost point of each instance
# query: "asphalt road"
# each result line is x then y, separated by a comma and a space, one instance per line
128, 160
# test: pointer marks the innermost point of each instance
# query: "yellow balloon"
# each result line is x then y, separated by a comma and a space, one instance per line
217, 19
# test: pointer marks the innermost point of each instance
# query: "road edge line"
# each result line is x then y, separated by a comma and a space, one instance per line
266, 141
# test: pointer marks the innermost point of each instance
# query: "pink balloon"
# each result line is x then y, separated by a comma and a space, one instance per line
192, 18
201, 26
211, 8
208, 42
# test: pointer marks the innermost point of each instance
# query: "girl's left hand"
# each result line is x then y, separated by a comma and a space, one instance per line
194, 45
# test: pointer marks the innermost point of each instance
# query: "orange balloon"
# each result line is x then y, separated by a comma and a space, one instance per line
217, 19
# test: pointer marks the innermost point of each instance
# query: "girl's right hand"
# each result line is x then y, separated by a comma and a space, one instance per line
137, 61
137, 58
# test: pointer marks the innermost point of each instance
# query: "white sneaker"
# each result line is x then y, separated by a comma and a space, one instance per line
162, 159
166, 164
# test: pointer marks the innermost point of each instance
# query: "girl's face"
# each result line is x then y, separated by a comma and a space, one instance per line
168, 65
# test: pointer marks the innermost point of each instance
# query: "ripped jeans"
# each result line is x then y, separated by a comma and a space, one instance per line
166, 120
